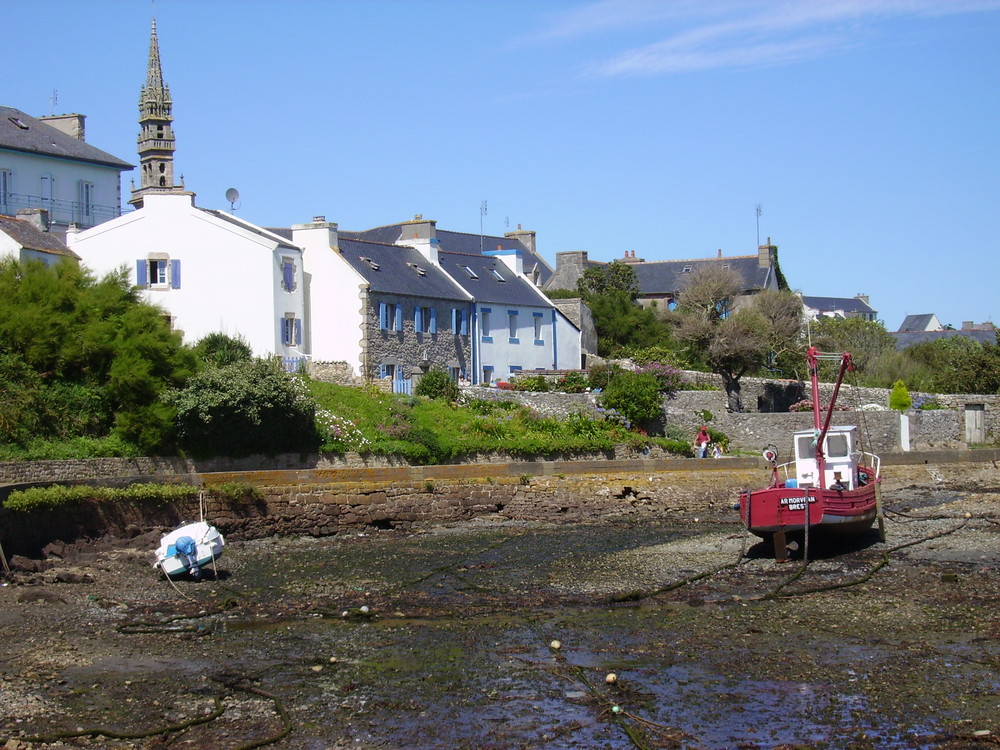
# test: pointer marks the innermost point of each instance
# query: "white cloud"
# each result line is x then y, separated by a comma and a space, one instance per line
707, 34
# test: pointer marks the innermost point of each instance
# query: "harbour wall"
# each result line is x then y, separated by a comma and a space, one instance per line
329, 501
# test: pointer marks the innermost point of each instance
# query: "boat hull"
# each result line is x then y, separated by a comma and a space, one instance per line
208, 546
768, 511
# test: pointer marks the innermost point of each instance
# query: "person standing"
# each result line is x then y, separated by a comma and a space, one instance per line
701, 442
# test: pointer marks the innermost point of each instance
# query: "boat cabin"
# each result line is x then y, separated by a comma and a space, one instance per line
841, 461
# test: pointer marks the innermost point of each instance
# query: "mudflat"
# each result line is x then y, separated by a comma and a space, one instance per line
497, 633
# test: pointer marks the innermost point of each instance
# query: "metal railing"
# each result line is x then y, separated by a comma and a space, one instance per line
60, 211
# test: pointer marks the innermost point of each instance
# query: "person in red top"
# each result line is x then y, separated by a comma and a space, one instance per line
701, 442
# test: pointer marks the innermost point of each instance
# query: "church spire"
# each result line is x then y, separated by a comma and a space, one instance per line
156, 135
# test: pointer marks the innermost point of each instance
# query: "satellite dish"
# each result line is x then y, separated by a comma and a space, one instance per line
232, 195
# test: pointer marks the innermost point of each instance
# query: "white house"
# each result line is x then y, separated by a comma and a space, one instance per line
209, 270
46, 163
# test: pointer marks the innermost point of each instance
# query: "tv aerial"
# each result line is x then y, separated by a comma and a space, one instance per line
233, 196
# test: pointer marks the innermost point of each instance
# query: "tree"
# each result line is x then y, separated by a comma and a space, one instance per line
866, 340
612, 277
728, 342
100, 353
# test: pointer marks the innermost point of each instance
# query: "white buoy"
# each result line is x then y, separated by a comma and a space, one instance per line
611, 679
555, 645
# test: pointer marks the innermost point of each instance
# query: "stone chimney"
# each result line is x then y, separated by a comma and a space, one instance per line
630, 257
766, 254
861, 297
37, 216
73, 125
525, 236
319, 234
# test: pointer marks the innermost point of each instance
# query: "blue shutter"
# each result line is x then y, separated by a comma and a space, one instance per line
298, 332
418, 319
465, 322
434, 321
399, 317
175, 274
141, 279
381, 371
383, 316
454, 320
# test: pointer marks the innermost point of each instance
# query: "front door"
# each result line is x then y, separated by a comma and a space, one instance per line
975, 423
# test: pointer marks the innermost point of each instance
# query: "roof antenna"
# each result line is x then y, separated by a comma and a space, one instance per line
233, 196
482, 213
760, 210
53, 101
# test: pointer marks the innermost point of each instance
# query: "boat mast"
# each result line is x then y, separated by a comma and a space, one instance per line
846, 363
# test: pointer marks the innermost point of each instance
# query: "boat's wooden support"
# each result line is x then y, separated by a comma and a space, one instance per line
780, 547
878, 511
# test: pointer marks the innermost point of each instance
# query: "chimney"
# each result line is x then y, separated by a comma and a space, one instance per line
421, 234
766, 254
73, 125
525, 236
720, 253
317, 235
510, 257
862, 297
37, 216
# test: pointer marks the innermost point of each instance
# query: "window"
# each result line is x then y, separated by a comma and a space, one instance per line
497, 276
390, 317
512, 326
423, 317
455, 373
484, 324
86, 199
372, 263
288, 274
472, 274
514, 369
487, 374
158, 271
387, 371
686, 269
537, 318
6, 188
291, 330
459, 321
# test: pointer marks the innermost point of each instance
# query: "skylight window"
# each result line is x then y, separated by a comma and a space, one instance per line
371, 263
472, 274
687, 269
496, 275
420, 271
17, 121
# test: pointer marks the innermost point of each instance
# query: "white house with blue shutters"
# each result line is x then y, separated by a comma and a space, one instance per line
210, 271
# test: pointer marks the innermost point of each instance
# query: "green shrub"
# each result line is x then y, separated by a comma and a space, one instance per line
244, 408
601, 375
220, 350
572, 382
437, 384
900, 399
636, 396
532, 383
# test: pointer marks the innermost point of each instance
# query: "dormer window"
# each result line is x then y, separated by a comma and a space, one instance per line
371, 263
472, 274
497, 276
687, 269
420, 271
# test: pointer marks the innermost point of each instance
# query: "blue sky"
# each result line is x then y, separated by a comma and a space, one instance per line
868, 131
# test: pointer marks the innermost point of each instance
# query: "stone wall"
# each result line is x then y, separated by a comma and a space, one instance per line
340, 373
323, 502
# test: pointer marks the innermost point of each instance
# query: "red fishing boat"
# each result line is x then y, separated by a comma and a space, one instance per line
831, 484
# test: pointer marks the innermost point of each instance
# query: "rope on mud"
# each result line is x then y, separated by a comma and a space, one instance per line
453, 563
773, 594
164, 626
103, 732
279, 707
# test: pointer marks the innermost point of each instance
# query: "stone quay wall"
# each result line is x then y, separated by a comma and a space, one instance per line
323, 502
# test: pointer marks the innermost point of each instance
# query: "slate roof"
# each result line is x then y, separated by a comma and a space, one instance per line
29, 236
21, 132
916, 323
909, 338
832, 304
463, 242
398, 269
486, 287
669, 276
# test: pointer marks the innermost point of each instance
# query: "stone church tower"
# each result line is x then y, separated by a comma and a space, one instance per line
156, 134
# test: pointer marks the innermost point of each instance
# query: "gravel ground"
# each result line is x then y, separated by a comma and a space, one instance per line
444, 639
